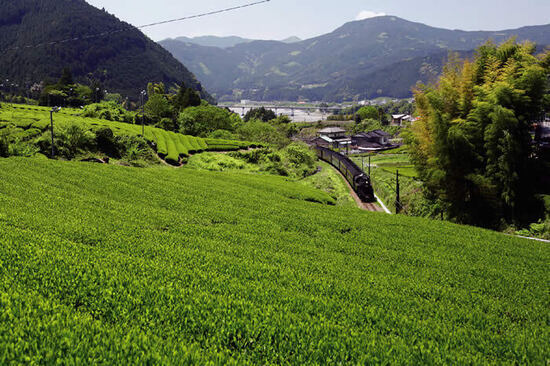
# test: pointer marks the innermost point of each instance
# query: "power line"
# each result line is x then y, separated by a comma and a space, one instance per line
204, 14
107, 33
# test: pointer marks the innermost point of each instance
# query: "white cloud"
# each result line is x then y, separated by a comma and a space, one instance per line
366, 14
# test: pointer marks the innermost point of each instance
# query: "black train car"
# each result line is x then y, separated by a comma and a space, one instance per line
356, 177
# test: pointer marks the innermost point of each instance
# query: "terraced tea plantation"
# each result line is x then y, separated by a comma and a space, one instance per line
31, 121
105, 264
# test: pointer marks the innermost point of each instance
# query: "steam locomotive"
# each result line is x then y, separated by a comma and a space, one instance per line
354, 175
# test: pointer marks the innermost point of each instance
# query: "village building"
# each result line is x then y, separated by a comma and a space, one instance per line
333, 132
377, 136
399, 119
333, 137
372, 141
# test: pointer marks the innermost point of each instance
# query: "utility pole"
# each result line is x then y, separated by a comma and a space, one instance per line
397, 198
52, 111
369, 166
143, 92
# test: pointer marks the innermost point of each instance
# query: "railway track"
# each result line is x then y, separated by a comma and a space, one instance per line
367, 206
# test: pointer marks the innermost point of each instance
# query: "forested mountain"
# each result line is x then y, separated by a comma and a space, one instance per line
225, 42
213, 41
124, 62
381, 56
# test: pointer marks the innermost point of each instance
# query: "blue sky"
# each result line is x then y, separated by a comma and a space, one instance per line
279, 19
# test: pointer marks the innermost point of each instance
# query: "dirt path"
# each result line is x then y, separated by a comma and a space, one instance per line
367, 206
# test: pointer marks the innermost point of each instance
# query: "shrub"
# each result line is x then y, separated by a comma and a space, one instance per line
173, 154
180, 145
262, 132
167, 124
160, 139
158, 107
106, 142
110, 111
261, 114
222, 134
299, 159
69, 140
203, 120
4, 145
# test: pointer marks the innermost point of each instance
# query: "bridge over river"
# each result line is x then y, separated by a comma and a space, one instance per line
296, 113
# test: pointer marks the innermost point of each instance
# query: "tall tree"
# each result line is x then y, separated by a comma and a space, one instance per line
472, 145
66, 77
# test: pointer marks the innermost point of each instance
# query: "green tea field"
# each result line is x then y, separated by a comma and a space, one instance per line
103, 264
28, 122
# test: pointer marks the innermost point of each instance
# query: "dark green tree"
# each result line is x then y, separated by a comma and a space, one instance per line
472, 144
66, 77
261, 114
368, 112
186, 97
205, 119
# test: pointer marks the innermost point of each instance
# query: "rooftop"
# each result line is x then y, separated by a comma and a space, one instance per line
375, 133
332, 130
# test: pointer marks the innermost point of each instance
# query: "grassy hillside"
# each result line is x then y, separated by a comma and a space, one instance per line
27, 123
107, 264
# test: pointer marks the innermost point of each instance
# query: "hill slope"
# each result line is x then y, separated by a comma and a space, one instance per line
125, 62
28, 123
327, 67
225, 42
113, 265
213, 41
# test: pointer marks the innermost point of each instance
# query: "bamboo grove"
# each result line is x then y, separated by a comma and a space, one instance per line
472, 145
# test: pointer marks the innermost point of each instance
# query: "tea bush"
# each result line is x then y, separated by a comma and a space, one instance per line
102, 264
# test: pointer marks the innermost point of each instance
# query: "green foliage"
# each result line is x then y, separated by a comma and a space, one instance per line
66, 93
167, 124
173, 154
328, 180
70, 141
296, 160
281, 120
186, 97
114, 97
110, 111
158, 107
107, 137
262, 132
299, 159
539, 229
102, 264
120, 62
227, 145
66, 77
399, 107
369, 112
472, 145
222, 134
217, 162
261, 114
204, 119
367, 125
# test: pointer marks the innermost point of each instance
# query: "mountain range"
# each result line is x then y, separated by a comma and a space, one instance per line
123, 58
225, 42
382, 56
